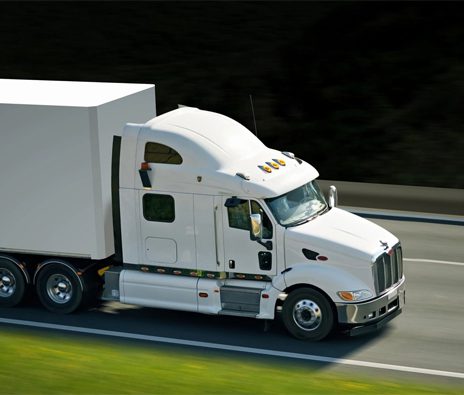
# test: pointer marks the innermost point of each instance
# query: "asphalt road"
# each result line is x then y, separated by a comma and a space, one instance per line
429, 333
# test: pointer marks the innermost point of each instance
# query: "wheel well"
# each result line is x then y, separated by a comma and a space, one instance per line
21, 266
301, 286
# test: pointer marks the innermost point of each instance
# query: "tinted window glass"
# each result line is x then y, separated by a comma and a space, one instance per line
159, 208
239, 217
159, 153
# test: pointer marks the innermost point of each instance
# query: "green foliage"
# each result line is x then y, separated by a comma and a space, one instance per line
364, 91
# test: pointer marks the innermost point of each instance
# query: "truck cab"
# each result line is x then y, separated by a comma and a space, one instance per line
213, 221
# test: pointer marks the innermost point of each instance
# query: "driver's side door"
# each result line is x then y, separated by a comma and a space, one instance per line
243, 256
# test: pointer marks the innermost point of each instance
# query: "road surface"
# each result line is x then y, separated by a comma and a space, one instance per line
429, 334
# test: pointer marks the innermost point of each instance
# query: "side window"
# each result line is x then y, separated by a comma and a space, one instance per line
159, 153
158, 208
239, 217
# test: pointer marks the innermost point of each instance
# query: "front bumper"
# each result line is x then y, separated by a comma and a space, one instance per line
375, 313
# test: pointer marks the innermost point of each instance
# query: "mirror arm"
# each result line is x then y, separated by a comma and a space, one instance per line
267, 244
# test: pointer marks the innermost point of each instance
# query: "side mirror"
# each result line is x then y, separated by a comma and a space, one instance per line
256, 231
333, 197
256, 227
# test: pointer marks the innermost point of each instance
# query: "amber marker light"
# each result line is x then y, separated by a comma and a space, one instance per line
345, 295
265, 168
352, 296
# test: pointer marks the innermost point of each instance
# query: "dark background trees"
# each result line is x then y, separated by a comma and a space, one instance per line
364, 91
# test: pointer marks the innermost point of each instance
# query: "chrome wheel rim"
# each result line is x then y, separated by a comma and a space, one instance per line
7, 283
307, 315
59, 288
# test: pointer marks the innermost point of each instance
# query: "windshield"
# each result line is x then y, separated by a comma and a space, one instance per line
299, 205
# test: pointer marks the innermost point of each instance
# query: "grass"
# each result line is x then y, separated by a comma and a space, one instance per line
38, 363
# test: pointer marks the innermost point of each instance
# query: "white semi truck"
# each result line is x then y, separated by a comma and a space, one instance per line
102, 199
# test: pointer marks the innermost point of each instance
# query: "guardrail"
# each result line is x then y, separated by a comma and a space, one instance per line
444, 201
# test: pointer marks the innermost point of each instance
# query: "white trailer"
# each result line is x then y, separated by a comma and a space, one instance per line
186, 211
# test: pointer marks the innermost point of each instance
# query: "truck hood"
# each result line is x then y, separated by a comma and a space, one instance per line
342, 233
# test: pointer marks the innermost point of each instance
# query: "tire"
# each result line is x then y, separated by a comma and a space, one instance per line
12, 284
59, 289
307, 315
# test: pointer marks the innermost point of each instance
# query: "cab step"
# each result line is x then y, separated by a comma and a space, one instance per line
240, 299
237, 313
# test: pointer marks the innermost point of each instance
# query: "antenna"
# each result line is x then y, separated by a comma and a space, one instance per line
253, 112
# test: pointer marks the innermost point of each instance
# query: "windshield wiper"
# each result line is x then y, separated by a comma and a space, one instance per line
301, 222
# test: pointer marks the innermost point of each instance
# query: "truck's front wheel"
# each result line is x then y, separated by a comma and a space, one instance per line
12, 284
59, 289
307, 314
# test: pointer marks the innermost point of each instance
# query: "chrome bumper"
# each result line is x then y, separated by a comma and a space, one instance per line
373, 311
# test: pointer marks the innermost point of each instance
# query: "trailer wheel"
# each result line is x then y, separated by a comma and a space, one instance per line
307, 314
59, 289
12, 284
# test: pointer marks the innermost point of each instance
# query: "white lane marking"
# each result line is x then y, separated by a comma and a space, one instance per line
227, 347
433, 261
392, 215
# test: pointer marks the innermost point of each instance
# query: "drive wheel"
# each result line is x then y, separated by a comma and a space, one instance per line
12, 284
307, 314
59, 289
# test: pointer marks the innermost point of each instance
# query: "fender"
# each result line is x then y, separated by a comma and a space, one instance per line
330, 279
278, 281
20, 267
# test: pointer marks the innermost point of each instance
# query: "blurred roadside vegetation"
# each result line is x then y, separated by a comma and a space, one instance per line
364, 91
38, 363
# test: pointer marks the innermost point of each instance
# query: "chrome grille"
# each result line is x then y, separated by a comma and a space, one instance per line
388, 269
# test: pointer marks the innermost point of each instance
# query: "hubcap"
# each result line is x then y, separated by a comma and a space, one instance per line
7, 283
59, 288
307, 315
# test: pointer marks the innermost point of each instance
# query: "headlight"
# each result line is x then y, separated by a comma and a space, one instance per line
355, 296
